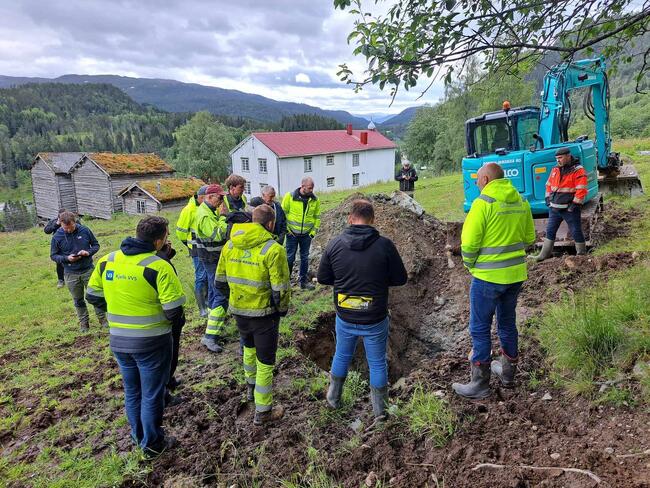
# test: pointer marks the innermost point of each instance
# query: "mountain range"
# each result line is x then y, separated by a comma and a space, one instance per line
176, 96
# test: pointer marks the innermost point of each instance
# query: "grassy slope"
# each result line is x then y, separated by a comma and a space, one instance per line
42, 355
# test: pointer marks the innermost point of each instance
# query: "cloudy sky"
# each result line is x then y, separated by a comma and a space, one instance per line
282, 49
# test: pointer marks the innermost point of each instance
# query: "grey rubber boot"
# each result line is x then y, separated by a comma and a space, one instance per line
505, 369
335, 391
581, 248
479, 385
211, 343
547, 251
379, 399
200, 302
250, 392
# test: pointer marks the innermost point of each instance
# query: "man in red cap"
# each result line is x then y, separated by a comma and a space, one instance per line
211, 228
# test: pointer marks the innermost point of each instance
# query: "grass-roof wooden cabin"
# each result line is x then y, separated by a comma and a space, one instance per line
52, 184
152, 196
99, 178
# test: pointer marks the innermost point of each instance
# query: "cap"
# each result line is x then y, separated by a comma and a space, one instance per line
214, 188
256, 202
562, 151
202, 190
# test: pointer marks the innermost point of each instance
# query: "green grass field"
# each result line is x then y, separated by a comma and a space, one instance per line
42, 353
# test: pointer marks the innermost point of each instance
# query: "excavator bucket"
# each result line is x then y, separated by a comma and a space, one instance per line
625, 183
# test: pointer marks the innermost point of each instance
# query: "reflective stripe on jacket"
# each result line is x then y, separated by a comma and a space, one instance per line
301, 219
564, 188
233, 205
211, 230
255, 267
138, 289
496, 232
185, 221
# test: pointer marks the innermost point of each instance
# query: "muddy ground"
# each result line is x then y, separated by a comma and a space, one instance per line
514, 429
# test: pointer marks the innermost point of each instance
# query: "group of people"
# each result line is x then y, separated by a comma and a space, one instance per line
243, 255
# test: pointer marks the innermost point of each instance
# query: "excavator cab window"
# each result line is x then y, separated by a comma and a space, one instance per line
527, 125
492, 135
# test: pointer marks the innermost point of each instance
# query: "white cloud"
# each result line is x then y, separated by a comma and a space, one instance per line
302, 78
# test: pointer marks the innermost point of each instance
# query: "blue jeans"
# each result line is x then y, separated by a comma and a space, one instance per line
484, 300
292, 244
200, 276
375, 339
572, 219
145, 376
215, 298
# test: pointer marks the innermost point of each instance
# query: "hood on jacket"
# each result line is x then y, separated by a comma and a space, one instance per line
247, 236
502, 190
131, 246
297, 196
359, 237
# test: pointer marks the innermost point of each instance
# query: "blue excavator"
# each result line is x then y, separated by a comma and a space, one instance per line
523, 141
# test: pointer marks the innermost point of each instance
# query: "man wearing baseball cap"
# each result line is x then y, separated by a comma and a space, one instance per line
211, 228
186, 233
566, 190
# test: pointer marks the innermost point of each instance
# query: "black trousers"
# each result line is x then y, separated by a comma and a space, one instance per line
261, 333
59, 271
176, 344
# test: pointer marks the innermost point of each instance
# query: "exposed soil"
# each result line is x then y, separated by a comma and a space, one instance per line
428, 346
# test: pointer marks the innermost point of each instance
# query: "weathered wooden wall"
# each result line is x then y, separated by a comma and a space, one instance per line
120, 182
130, 206
93, 191
45, 190
67, 197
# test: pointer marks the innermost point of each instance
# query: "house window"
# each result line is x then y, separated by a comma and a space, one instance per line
141, 206
307, 165
247, 188
262, 185
330, 160
244, 165
262, 165
355, 159
355, 179
330, 181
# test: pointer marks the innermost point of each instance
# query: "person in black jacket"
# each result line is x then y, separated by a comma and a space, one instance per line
50, 228
73, 246
407, 176
361, 265
280, 229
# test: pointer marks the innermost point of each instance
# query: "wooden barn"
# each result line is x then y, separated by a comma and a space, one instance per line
99, 178
52, 184
152, 196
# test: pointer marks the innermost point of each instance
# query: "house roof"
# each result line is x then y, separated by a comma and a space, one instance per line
60, 162
167, 189
139, 163
288, 144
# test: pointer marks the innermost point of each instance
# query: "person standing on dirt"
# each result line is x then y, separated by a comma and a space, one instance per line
211, 228
496, 232
144, 300
302, 209
186, 233
407, 176
50, 228
566, 190
361, 265
253, 270
73, 246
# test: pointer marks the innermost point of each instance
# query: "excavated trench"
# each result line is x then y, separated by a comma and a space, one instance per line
428, 314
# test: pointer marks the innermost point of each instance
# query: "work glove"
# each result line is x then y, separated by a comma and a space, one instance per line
312, 234
548, 201
574, 207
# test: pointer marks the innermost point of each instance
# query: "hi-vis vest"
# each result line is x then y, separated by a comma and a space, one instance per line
233, 205
301, 219
185, 226
211, 231
496, 232
255, 267
137, 289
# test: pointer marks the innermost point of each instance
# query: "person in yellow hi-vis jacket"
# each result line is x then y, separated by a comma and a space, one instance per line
253, 266
144, 299
496, 232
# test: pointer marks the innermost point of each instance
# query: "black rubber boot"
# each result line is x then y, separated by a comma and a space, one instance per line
306, 285
335, 391
479, 385
505, 368
379, 400
201, 303
261, 418
250, 392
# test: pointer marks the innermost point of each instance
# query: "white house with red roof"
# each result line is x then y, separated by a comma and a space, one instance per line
335, 159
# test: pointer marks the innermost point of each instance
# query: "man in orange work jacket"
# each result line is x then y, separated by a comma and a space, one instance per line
566, 190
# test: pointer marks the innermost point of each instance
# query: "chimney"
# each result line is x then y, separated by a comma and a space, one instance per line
158, 186
349, 129
364, 138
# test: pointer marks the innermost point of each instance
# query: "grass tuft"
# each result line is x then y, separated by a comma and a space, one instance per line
428, 415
